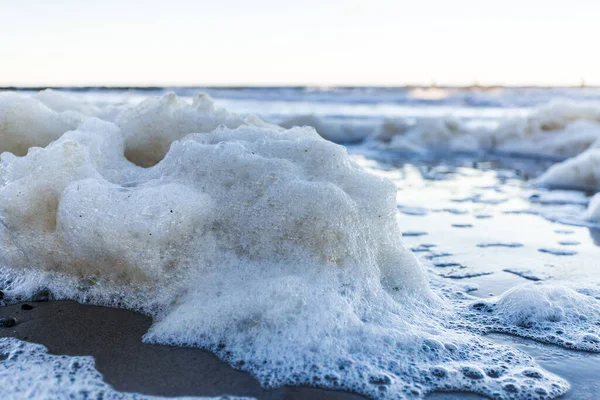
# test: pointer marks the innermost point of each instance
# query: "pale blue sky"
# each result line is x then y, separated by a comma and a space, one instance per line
336, 42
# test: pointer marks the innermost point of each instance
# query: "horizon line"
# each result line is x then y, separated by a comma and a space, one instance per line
267, 86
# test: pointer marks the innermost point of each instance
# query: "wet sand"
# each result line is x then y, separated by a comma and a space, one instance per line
114, 338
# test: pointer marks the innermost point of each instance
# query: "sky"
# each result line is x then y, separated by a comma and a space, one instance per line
300, 42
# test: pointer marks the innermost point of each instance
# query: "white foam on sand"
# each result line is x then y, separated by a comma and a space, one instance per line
28, 371
581, 171
548, 313
269, 247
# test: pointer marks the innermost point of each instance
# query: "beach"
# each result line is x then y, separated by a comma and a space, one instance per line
114, 338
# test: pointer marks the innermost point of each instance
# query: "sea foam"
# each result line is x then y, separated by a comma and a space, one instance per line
269, 247
29, 372
582, 171
558, 131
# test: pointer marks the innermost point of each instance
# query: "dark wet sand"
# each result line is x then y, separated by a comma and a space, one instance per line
114, 338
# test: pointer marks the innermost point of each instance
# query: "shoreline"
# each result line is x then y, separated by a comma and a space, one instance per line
114, 338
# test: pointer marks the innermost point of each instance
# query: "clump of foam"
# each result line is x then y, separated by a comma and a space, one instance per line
593, 210
446, 134
548, 313
335, 131
221, 186
26, 122
60, 102
582, 171
33, 187
389, 129
558, 116
269, 247
558, 131
30, 372
151, 126
433, 134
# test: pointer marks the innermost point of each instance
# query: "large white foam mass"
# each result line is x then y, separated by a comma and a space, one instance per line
269, 247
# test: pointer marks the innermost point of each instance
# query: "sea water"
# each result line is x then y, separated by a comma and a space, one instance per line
371, 268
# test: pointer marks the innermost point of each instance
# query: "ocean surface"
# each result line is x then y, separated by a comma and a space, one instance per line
463, 260
363, 106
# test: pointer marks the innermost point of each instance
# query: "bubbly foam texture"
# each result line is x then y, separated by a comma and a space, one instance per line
547, 313
28, 371
61, 102
25, 122
269, 247
151, 126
